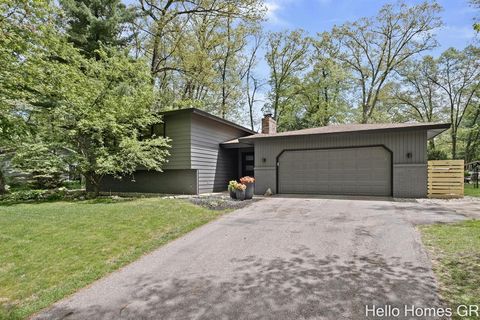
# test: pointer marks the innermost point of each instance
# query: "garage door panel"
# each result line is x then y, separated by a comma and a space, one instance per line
354, 171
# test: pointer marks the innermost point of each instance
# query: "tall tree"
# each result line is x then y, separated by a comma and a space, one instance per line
472, 141
197, 49
374, 48
93, 23
96, 108
286, 56
252, 82
25, 33
324, 86
417, 92
102, 107
166, 15
458, 76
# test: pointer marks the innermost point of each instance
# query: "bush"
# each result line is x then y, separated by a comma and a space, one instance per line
434, 154
41, 195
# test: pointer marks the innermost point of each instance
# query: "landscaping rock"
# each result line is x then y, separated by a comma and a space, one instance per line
220, 202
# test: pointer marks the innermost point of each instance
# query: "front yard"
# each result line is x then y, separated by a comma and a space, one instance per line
455, 250
49, 250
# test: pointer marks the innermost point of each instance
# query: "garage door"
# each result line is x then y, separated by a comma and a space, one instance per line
352, 171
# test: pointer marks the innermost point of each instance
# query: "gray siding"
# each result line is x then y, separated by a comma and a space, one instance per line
168, 182
177, 128
215, 165
400, 143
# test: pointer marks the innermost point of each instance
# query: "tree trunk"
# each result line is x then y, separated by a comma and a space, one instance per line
3, 183
364, 114
454, 145
431, 144
94, 180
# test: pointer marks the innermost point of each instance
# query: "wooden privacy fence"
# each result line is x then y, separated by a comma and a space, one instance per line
445, 179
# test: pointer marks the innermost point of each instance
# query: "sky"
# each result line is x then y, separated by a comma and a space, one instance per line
315, 16
321, 15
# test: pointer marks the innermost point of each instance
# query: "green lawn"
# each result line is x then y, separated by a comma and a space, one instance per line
470, 191
455, 249
49, 250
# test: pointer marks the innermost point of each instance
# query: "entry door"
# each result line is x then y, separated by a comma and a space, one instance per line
350, 171
248, 162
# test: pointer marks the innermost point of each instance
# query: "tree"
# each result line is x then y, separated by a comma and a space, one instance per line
252, 82
417, 95
324, 86
102, 107
472, 143
93, 23
286, 57
373, 48
458, 77
94, 108
166, 14
25, 32
197, 51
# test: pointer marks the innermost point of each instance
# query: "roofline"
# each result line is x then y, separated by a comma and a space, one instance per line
427, 127
209, 116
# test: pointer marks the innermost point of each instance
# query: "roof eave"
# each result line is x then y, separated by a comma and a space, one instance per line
210, 116
432, 131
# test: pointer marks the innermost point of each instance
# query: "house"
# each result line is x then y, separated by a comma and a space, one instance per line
472, 165
350, 159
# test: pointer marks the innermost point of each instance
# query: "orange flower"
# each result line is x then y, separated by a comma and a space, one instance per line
247, 180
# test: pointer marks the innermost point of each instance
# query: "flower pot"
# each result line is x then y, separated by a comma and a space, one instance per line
233, 194
249, 190
240, 194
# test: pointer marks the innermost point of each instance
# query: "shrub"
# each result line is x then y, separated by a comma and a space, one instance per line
41, 195
240, 186
434, 154
231, 185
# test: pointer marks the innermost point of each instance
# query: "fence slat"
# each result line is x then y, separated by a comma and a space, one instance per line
445, 179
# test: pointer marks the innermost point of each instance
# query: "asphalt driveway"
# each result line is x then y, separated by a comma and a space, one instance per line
280, 258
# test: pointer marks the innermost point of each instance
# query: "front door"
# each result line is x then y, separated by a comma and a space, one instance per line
248, 161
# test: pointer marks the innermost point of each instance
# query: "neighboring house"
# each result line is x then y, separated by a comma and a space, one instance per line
472, 165
351, 159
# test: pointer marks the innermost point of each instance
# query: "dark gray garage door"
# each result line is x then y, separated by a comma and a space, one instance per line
352, 171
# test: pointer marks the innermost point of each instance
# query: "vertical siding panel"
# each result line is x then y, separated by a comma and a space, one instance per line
215, 165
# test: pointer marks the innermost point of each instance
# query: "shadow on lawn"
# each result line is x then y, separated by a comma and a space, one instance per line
302, 287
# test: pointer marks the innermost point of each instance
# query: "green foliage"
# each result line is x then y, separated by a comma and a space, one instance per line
286, 56
35, 195
96, 23
231, 185
435, 154
106, 103
44, 162
78, 110
198, 52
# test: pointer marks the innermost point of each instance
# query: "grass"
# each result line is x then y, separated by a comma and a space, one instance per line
50, 250
455, 249
470, 191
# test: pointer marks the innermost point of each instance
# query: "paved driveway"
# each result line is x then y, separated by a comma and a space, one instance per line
280, 258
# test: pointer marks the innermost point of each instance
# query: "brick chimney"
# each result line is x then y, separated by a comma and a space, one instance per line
269, 125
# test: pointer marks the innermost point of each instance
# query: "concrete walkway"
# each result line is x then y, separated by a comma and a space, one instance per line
280, 258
